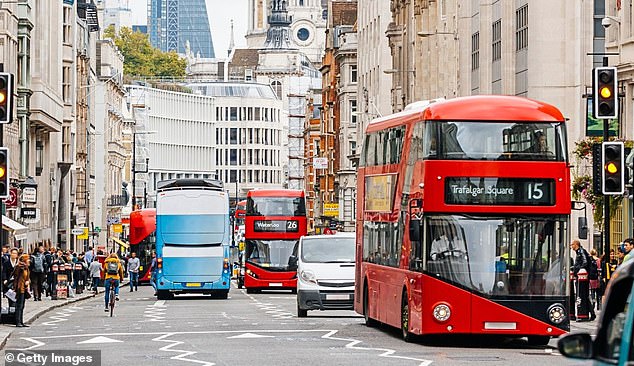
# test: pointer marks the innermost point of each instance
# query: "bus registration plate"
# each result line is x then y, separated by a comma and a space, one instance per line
193, 284
337, 297
275, 284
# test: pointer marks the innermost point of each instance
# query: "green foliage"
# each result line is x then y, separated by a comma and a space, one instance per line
141, 59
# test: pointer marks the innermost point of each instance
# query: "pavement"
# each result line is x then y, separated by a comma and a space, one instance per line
35, 309
249, 329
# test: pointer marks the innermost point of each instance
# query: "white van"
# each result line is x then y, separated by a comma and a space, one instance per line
325, 273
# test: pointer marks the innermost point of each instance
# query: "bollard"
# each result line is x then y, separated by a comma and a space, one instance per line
583, 305
53, 284
573, 297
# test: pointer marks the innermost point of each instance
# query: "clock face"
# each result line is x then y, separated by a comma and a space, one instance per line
303, 34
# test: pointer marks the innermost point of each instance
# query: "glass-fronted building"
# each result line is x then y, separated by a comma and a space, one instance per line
174, 23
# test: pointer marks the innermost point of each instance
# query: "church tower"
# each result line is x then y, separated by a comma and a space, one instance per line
307, 23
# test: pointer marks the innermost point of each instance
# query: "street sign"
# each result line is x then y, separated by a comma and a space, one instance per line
117, 228
97, 229
331, 209
12, 200
29, 195
113, 220
84, 234
320, 163
77, 231
28, 212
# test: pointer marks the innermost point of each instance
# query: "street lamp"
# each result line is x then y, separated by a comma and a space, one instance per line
134, 161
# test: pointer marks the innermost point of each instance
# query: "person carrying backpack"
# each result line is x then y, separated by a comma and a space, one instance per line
113, 274
594, 277
38, 273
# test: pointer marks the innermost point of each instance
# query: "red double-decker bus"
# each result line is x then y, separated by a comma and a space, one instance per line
275, 220
143, 239
463, 219
240, 214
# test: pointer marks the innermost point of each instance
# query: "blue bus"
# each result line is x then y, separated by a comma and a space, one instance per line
192, 238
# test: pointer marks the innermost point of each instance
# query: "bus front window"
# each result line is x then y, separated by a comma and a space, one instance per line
498, 256
270, 254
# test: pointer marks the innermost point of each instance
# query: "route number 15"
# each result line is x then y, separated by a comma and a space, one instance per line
535, 191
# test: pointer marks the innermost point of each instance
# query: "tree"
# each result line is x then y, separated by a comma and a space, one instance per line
141, 59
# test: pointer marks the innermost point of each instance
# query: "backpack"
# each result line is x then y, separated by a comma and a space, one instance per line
38, 263
112, 268
593, 268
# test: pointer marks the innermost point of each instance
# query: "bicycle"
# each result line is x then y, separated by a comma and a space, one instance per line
112, 296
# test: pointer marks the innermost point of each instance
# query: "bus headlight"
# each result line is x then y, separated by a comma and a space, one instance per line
442, 312
556, 313
251, 273
308, 276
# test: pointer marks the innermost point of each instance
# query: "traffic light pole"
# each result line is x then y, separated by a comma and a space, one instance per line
606, 198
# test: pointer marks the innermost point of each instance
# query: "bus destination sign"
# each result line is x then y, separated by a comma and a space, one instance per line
499, 191
276, 226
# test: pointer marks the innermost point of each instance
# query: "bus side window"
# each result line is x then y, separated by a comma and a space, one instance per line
417, 239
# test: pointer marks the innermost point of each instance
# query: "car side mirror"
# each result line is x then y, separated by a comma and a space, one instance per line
292, 261
578, 345
582, 228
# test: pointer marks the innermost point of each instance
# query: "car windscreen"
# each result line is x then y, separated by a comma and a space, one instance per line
331, 250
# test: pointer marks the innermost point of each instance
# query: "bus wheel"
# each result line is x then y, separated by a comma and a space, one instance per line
301, 313
220, 295
366, 312
252, 291
407, 336
538, 340
163, 295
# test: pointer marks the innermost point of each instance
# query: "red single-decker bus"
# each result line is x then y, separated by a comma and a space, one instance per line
463, 219
275, 220
143, 239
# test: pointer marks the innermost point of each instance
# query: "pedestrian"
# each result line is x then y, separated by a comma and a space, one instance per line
582, 264
133, 271
21, 284
628, 245
113, 275
89, 256
50, 257
153, 269
38, 273
5, 252
95, 274
593, 276
9, 264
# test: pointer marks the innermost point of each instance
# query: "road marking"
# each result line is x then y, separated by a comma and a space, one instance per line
155, 312
62, 315
250, 335
99, 340
183, 354
386, 351
159, 303
161, 337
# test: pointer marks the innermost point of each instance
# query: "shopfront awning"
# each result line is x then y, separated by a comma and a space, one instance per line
18, 230
120, 242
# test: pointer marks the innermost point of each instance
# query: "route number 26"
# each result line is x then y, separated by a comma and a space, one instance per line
535, 191
291, 225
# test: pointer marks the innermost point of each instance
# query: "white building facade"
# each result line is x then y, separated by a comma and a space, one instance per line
249, 130
180, 132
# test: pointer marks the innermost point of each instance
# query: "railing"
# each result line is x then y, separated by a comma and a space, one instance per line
117, 200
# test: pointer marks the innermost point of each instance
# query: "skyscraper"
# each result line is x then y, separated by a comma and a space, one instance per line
174, 23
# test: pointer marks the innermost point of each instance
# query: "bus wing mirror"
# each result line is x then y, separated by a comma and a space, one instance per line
582, 228
292, 261
414, 230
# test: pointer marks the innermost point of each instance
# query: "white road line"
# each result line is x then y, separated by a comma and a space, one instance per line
159, 303
386, 351
62, 315
160, 337
182, 356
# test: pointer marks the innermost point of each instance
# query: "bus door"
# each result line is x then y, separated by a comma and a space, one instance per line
416, 237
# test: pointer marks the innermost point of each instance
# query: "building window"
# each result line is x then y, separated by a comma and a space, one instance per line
66, 84
497, 40
233, 113
67, 24
475, 51
39, 157
233, 136
353, 112
353, 73
521, 28
248, 75
233, 157
353, 147
277, 88
301, 2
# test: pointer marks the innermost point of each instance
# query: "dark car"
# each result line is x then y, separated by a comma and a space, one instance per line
613, 344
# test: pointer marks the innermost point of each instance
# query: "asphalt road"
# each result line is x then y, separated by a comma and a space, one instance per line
258, 329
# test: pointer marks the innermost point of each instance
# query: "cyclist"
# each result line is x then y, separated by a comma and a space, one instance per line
113, 273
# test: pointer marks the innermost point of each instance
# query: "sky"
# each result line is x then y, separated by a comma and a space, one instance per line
220, 13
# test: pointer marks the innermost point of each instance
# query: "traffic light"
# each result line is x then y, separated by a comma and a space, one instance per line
4, 172
605, 93
613, 177
6, 97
